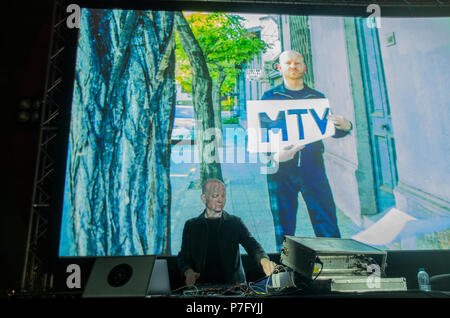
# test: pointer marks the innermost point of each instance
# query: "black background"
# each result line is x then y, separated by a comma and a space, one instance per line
25, 29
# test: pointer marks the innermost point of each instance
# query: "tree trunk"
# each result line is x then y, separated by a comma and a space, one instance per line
119, 153
202, 99
217, 102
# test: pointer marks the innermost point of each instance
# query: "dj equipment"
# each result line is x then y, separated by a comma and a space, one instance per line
335, 264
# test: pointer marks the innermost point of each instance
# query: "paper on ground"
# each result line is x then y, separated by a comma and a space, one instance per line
386, 229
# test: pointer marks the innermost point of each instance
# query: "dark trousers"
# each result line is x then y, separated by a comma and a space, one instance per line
309, 179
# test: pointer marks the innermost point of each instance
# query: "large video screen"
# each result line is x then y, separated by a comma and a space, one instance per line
165, 100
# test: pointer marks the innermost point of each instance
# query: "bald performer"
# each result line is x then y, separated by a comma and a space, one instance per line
210, 246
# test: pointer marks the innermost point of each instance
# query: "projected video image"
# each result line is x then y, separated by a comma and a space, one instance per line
320, 126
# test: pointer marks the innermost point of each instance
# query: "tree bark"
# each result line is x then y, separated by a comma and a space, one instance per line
205, 128
118, 187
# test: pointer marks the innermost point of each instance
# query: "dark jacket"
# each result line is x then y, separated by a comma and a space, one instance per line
232, 232
281, 92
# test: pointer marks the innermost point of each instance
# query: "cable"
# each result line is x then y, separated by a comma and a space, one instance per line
216, 291
231, 289
276, 291
321, 268
267, 282
244, 289
183, 287
252, 284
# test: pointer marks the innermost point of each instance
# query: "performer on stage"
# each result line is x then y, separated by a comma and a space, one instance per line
210, 246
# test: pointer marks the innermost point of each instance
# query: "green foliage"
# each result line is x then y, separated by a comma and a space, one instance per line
231, 120
225, 44
227, 104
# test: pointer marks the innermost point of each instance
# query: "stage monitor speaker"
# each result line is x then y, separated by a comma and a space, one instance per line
120, 276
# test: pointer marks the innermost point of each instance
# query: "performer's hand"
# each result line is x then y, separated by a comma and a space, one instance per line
191, 277
267, 266
287, 153
340, 122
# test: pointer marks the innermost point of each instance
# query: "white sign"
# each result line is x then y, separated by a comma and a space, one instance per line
273, 124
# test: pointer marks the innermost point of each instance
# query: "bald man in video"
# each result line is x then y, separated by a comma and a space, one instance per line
301, 168
210, 248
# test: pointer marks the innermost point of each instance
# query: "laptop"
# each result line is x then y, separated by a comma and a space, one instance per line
128, 276
159, 282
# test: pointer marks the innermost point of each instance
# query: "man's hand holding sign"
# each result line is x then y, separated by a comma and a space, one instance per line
288, 152
340, 122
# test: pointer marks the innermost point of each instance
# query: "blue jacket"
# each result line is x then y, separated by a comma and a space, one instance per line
281, 92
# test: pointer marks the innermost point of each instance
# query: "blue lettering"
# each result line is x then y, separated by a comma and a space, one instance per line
299, 113
280, 123
277, 124
321, 122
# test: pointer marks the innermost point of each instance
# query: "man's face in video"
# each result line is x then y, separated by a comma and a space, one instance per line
292, 65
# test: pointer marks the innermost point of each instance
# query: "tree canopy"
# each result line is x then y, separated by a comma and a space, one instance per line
226, 44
